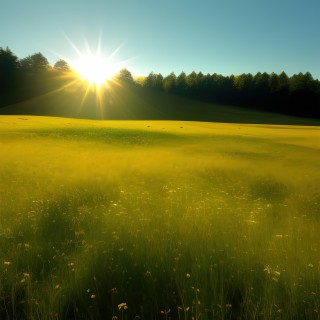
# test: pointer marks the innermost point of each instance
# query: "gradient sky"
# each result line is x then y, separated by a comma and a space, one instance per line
222, 36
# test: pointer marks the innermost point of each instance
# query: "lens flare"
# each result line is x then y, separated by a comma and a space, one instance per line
95, 69
94, 74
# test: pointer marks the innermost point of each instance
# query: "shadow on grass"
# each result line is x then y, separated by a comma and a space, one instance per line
127, 102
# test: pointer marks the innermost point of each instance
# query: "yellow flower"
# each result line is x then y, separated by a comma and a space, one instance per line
122, 306
26, 277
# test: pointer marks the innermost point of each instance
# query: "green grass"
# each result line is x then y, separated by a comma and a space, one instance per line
175, 219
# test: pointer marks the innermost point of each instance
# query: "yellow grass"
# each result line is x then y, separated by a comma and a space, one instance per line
168, 218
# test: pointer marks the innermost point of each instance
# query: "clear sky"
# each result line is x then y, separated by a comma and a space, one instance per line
222, 36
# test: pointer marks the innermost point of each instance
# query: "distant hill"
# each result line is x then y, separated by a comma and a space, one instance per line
125, 102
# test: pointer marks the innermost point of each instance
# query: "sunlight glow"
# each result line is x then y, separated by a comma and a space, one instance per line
95, 74
95, 69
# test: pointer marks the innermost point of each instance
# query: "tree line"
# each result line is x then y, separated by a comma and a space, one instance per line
29, 77
26, 78
296, 95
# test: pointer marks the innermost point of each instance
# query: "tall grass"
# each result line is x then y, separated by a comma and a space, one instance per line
158, 220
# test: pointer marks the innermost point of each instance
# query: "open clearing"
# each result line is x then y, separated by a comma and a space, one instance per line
158, 220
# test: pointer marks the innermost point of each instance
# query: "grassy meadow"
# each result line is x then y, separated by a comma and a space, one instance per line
158, 220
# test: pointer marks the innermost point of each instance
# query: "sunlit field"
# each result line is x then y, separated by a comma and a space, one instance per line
158, 220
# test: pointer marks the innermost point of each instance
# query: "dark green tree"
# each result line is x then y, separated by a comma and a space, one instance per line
124, 75
62, 65
283, 82
244, 82
169, 82
151, 81
191, 80
261, 81
261, 87
159, 81
301, 82
8, 67
181, 83
8, 61
35, 62
273, 83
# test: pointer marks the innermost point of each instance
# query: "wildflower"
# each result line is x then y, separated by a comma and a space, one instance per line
122, 306
7, 263
93, 296
165, 311
267, 269
57, 286
276, 273
26, 277
188, 275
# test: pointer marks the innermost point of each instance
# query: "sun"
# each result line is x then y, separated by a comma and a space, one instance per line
95, 68
94, 74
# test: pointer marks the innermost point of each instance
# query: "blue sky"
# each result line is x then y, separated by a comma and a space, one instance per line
222, 36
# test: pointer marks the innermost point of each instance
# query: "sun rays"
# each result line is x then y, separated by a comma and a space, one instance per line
95, 67
94, 70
